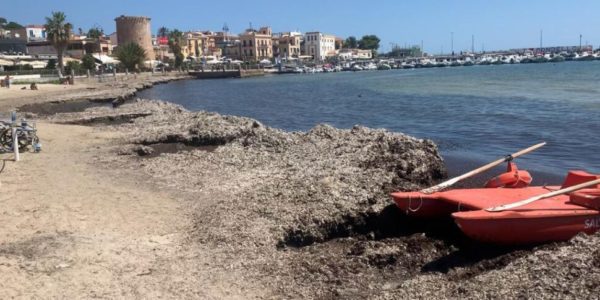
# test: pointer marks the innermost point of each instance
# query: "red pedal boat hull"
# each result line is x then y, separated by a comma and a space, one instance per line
528, 227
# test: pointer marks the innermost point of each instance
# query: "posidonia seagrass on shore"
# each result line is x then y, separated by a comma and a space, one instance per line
308, 214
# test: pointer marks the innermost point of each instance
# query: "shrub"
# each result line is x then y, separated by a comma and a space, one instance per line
88, 62
75, 66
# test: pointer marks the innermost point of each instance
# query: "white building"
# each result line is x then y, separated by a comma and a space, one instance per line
319, 45
348, 54
35, 33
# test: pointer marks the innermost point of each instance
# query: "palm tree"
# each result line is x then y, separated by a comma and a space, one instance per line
176, 39
131, 55
59, 33
96, 33
163, 31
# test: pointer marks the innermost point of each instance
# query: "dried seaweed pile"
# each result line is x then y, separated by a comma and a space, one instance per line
309, 212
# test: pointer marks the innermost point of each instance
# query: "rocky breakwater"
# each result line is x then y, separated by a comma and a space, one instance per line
308, 214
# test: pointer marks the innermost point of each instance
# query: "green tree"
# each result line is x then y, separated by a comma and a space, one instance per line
88, 62
51, 65
74, 66
58, 31
369, 42
95, 32
163, 31
351, 42
3, 21
131, 55
175, 41
13, 26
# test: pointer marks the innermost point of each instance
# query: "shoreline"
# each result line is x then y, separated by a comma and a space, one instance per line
456, 163
85, 89
151, 199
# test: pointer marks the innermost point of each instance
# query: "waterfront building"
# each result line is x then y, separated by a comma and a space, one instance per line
229, 45
319, 45
233, 49
350, 54
4, 34
135, 29
289, 45
192, 47
113, 39
161, 48
275, 44
257, 45
209, 45
339, 43
404, 52
30, 33
12, 45
77, 48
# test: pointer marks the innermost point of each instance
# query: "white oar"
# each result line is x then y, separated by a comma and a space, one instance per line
450, 182
544, 196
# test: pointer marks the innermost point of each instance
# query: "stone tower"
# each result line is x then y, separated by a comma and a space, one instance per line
135, 29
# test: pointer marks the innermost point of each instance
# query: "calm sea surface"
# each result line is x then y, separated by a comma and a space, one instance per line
475, 114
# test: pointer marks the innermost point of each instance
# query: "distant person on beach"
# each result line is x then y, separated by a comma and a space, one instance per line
7, 81
33, 86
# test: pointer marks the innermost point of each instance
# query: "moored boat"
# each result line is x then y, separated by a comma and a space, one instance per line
439, 204
554, 218
384, 67
550, 219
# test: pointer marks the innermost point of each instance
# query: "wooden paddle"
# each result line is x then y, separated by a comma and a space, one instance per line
544, 196
451, 182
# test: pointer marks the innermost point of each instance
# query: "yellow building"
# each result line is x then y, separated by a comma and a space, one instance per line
257, 45
192, 48
289, 44
198, 44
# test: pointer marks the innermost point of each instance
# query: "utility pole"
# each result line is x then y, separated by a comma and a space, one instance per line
422, 51
452, 43
580, 36
472, 43
541, 39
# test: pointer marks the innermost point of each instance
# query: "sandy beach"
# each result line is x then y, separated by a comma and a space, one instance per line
84, 89
149, 200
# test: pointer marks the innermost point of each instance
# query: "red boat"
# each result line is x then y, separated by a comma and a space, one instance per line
440, 204
551, 219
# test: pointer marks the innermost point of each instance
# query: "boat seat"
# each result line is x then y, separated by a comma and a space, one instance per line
576, 177
589, 198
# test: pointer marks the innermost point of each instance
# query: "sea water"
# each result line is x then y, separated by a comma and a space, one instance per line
475, 114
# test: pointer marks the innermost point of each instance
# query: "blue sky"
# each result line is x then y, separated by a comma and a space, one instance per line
496, 24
